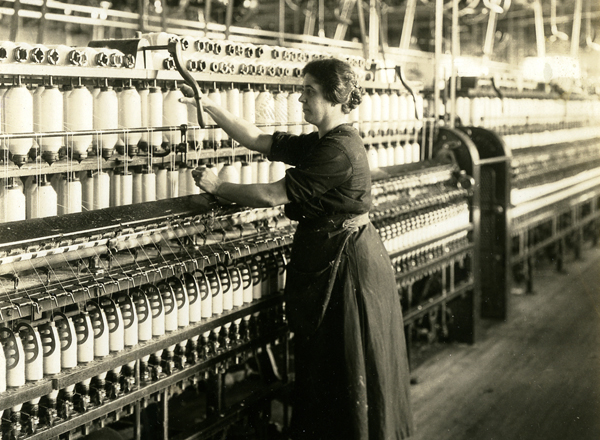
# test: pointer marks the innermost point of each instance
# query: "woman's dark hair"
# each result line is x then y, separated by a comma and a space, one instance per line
338, 81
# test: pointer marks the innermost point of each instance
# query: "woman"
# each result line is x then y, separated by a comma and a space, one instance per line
341, 299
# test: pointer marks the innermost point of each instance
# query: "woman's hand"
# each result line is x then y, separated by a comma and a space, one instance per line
206, 180
189, 97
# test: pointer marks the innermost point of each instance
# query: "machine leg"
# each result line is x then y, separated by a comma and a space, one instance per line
578, 243
529, 274
165, 413
560, 254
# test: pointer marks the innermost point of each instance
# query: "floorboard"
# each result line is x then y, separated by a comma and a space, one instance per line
534, 377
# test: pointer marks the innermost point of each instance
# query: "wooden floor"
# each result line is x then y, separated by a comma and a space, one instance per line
534, 377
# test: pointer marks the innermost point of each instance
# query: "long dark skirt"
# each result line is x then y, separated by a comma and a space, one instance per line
352, 376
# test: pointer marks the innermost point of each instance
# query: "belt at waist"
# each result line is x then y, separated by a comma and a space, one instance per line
336, 224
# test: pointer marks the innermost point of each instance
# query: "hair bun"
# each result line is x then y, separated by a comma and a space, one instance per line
355, 97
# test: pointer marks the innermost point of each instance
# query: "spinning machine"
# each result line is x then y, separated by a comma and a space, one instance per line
121, 284
540, 180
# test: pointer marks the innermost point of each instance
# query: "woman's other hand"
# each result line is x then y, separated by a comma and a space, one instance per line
206, 180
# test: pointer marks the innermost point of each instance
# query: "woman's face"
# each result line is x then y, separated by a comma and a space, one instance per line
314, 106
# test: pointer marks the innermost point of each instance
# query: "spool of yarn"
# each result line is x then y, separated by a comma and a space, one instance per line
68, 340
161, 183
143, 312
365, 115
32, 348
51, 344
115, 187
234, 101
254, 166
181, 300
130, 320
276, 171
246, 278
281, 110
52, 114
87, 190
391, 155
155, 117
256, 274
130, 116
408, 153
194, 297
71, 196
237, 286
79, 115
169, 305
416, 152
126, 188
195, 133
246, 176
183, 180
18, 118
13, 201
157, 309
85, 337
101, 182
216, 290
15, 358
106, 117
114, 323
175, 114
214, 135
263, 171
148, 186
249, 105
205, 293
229, 173
172, 181
137, 186
265, 111
373, 157
101, 330
226, 287
44, 200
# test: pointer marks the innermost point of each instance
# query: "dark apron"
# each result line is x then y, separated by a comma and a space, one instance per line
308, 292
351, 369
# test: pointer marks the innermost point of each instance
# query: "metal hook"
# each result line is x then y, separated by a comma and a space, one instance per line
87, 290
103, 287
130, 278
69, 293
36, 304
16, 306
